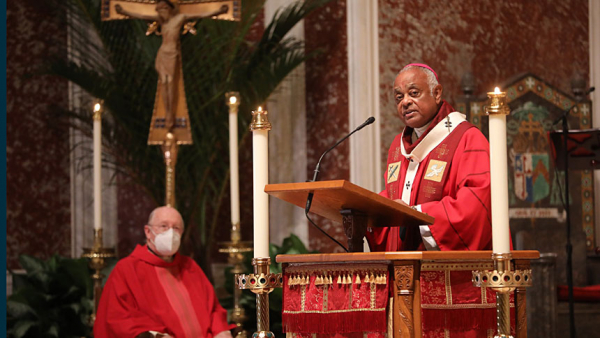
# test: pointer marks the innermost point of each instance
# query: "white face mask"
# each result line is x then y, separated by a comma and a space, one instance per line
167, 243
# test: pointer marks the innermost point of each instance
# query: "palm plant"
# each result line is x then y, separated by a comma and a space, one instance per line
223, 56
53, 299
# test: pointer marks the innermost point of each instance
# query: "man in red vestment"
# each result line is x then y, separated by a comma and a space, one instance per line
438, 165
156, 292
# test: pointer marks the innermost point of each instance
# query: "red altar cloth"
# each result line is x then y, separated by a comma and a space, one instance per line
340, 301
336, 300
452, 307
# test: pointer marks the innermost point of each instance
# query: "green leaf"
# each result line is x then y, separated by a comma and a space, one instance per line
31, 264
52, 330
17, 308
22, 327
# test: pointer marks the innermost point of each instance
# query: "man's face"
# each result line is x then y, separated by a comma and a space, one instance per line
415, 103
164, 218
164, 10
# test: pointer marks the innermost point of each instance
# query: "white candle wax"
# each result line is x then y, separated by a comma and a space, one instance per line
234, 167
499, 184
260, 158
97, 164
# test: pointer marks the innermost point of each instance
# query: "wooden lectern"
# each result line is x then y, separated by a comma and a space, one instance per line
355, 207
408, 312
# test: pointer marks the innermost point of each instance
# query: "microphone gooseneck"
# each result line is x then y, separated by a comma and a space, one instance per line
309, 199
369, 121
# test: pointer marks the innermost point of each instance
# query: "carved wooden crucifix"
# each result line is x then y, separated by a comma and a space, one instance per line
170, 19
170, 124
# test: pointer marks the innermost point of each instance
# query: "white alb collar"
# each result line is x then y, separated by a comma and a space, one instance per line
435, 137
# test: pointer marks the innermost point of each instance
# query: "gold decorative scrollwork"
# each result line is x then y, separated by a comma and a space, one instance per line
404, 278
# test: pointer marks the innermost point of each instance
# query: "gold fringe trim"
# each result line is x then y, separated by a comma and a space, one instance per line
326, 278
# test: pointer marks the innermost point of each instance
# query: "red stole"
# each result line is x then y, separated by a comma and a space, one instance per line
428, 190
179, 299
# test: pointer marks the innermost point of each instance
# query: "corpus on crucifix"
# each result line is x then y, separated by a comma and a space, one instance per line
170, 19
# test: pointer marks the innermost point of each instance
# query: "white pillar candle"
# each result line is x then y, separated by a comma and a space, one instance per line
97, 164
260, 158
499, 182
233, 160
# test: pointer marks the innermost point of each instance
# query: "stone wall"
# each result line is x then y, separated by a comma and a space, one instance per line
37, 180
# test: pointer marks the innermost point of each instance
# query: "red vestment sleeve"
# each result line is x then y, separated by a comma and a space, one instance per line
119, 312
463, 215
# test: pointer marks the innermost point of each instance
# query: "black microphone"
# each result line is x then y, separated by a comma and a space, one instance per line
366, 123
577, 100
309, 199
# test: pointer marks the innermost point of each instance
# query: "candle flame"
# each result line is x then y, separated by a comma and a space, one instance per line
259, 108
233, 100
97, 107
497, 90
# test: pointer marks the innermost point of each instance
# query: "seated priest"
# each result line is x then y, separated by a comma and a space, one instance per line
156, 292
439, 165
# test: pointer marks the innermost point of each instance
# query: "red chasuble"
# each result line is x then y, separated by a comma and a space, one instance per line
447, 173
144, 293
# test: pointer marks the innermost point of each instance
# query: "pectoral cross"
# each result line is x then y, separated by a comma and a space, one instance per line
448, 123
170, 124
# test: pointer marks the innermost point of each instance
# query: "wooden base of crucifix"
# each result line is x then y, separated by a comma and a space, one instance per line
169, 148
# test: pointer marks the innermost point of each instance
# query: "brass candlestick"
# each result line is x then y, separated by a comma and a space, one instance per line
233, 101
236, 249
502, 280
261, 282
97, 256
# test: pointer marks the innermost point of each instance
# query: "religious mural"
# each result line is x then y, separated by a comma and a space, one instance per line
536, 186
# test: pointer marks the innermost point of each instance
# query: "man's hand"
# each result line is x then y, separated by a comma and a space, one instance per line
224, 334
401, 202
163, 335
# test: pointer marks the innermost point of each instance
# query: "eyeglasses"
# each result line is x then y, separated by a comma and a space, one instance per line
165, 227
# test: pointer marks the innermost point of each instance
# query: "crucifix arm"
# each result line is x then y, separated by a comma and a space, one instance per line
219, 11
122, 11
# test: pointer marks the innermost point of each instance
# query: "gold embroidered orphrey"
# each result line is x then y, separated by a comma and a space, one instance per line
393, 172
435, 170
170, 116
